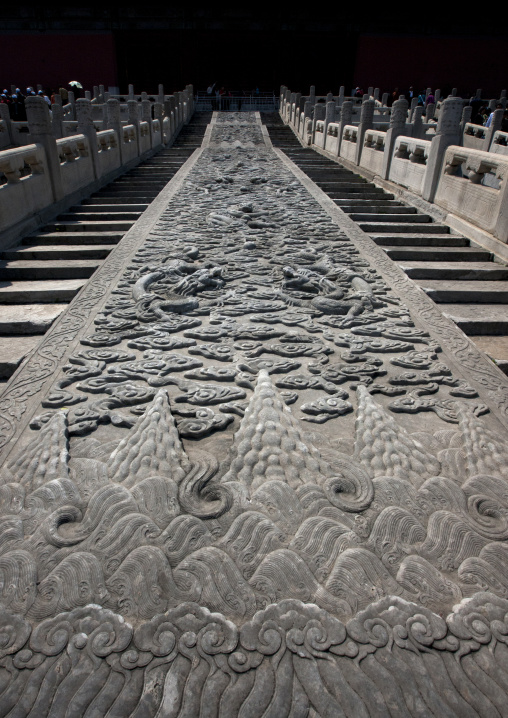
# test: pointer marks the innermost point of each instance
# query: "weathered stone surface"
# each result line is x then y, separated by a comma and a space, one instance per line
266, 477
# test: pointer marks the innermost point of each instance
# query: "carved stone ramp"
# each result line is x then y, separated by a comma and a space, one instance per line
253, 471
469, 281
49, 267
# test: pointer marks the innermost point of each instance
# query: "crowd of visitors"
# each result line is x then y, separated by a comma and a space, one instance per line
16, 100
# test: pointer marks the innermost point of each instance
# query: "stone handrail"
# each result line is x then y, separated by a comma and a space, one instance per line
409, 162
472, 186
372, 151
48, 175
14, 160
27, 188
499, 144
422, 157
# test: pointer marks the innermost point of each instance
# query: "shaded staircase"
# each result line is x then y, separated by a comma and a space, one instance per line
469, 282
41, 275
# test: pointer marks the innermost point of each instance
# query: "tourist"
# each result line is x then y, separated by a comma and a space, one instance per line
489, 119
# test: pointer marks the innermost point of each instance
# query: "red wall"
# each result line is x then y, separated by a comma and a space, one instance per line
51, 59
437, 62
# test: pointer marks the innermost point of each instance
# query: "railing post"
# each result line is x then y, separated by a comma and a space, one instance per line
417, 123
86, 127
495, 125
160, 96
466, 117
430, 111
146, 116
6, 117
131, 92
72, 103
319, 116
346, 115
366, 123
398, 119
39, 124
342, 94
384, 99
133, 119
114, 123
158, 114
447, 133
57, 119
329, 117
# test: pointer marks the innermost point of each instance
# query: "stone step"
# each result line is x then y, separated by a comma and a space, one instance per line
408, 217
51, 252
88, 226
28, 318
84, 238
458, 291
495, 347
343, 183
91, 207
12, 352
420, 228
42, 270
362, 212
139, 195
479, 319
96, 200
438, 254
413, 239
364, 205
362, 196
98, 216
469, 271
35, 292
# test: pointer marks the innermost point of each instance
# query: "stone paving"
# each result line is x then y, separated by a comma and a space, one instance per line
252, 470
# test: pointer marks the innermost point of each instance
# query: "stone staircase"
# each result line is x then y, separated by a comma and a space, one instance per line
469, 283
49, 267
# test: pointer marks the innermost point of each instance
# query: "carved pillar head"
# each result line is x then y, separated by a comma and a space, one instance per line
160, 96
399, 114
158, 111
37, 112
84, 115
330, 111
319, 111
449, 117
466, 114
133, 112
113, 113
347, 112
367, 115
146, 110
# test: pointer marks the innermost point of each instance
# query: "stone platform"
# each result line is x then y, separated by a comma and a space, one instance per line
252, 470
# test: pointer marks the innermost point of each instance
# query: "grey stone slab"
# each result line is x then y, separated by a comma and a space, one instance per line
415, 239
468, 271
468, 291
25, 292
74, 238
253, 470
28, 318
40, 269
12, 352
57, 251
437, 254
